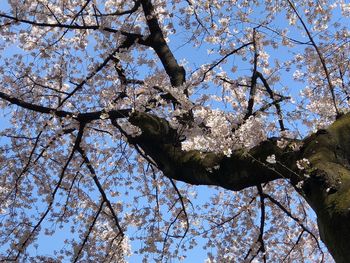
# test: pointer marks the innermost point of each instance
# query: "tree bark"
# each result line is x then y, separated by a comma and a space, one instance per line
326, 187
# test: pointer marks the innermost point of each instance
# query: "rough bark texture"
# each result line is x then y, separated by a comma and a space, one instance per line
327, 190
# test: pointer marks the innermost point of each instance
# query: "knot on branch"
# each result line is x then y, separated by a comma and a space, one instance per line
326, 181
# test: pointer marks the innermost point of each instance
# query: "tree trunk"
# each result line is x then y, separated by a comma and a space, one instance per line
328, 188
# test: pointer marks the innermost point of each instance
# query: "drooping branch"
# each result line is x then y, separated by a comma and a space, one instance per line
262, 223
30, 160
290, 215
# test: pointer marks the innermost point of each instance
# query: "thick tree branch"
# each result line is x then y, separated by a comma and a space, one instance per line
157, 41
241, 170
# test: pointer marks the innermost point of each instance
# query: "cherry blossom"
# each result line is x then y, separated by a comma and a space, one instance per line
150, 128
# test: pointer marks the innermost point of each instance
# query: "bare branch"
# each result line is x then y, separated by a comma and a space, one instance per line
77, 255
100, 189
320, 55
215, 64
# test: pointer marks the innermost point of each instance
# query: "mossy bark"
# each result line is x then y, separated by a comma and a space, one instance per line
328, 188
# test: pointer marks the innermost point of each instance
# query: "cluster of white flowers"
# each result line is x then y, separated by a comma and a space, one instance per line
303, 164
251, 132
345, 8
212, 132
121, 246
271, 159
215, 133
3, 203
